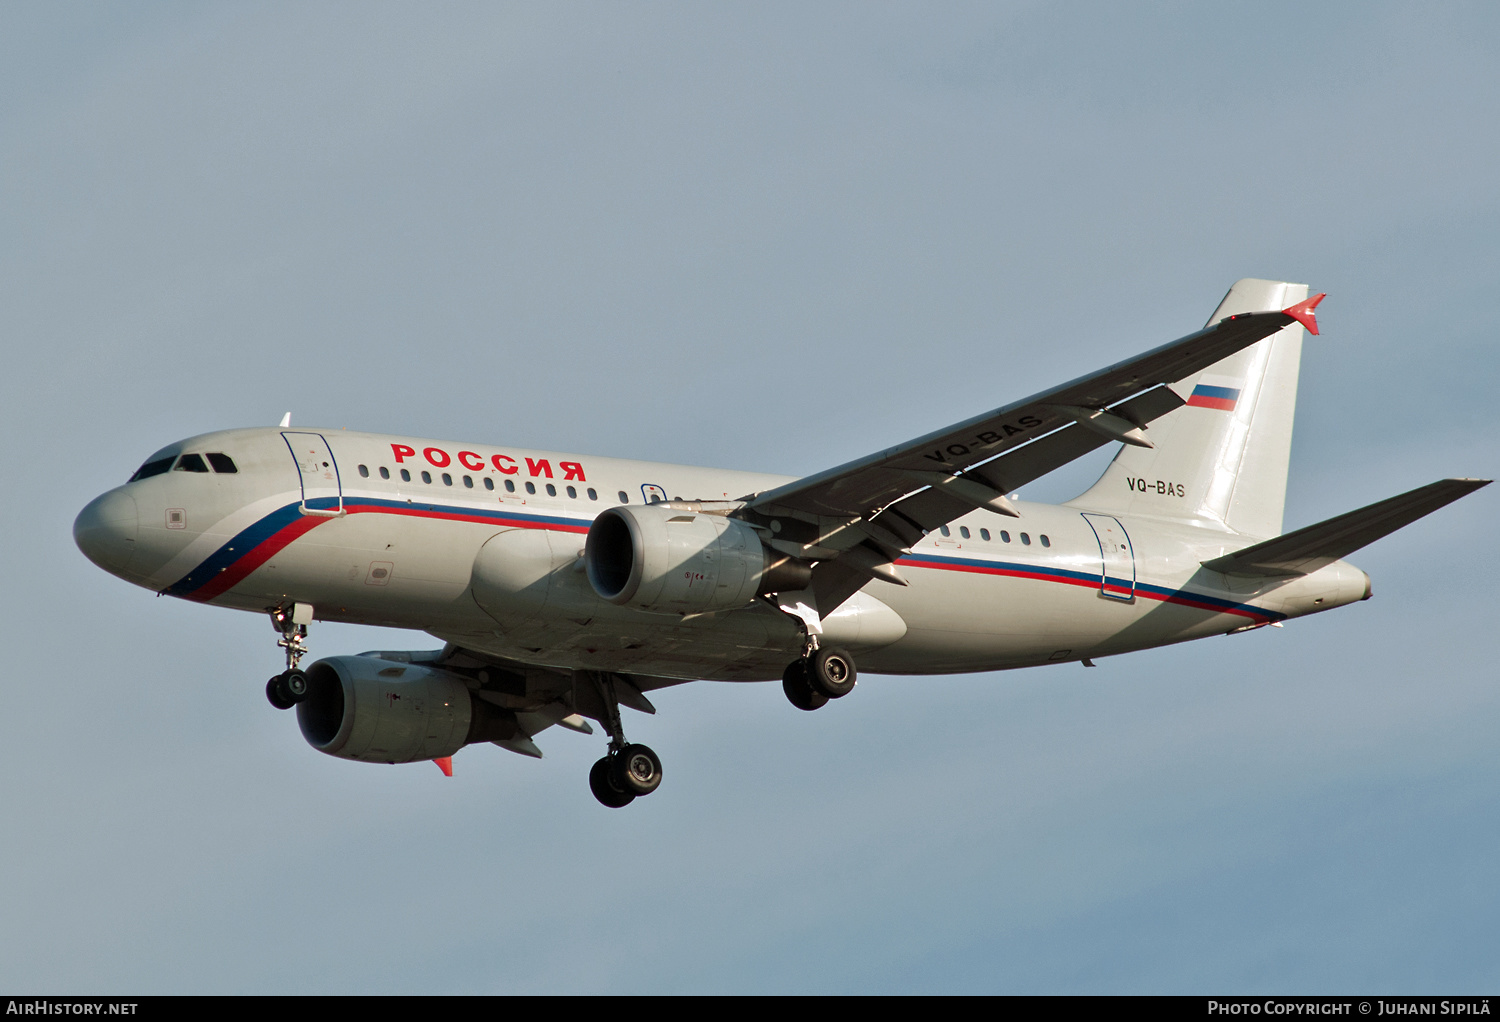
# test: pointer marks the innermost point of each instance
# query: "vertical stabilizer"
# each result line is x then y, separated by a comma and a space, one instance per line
1222, 457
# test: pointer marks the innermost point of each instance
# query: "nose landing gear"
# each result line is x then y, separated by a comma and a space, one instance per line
289, 688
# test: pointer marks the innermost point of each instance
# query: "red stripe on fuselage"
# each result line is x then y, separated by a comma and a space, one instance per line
454, 516
1179, 597
283, 537
254, 558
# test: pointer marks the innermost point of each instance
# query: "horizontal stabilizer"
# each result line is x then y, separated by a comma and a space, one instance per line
1306, 550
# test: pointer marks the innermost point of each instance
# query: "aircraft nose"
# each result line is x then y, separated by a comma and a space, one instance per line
105, 530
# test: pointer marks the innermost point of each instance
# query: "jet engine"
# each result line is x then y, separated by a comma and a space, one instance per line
381, 711
670, 559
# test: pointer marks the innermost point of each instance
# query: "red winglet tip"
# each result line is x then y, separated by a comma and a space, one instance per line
445, 765
1305, 312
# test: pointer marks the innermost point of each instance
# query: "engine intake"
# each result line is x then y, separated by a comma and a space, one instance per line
381, 711
671, 559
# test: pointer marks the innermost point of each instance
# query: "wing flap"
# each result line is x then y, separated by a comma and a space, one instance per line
1306, 550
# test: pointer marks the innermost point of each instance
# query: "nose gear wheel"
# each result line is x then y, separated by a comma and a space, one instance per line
287, 689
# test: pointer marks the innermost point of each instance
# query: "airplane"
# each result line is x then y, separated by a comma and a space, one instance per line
565, 586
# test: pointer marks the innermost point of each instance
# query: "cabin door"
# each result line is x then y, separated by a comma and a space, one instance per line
322, 494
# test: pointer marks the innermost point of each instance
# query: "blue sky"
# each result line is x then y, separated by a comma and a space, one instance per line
770, 237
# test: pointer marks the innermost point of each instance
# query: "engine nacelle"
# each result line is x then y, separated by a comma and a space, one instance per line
382, 711
671, 559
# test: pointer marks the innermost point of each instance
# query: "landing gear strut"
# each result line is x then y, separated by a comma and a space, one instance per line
289, 688
821, 675
626, 771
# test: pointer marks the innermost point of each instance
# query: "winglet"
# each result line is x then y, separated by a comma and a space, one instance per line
1304, 312
445, 764
286, 420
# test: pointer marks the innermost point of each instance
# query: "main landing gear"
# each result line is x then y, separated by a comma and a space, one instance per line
821, 675
289, 688
626, 771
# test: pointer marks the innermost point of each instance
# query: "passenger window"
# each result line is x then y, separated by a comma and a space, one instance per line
364, 472
1004, 536
222, 463
531, 487
156, 468
1025, 539
551, 490
944, 531
984, 534
1045, 540
405, 476
385, 473
191, 463
624, 497
510, 486
593, 494
447, 479
468, 483
572, 492
426, 476
489, 484
963, 530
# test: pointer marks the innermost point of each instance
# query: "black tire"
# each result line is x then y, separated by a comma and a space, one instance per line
295, 683
604, 791
277, 694
799, 691
636, 770
831, 672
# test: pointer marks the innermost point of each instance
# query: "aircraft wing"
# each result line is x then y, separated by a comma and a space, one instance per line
860, 516
539, 697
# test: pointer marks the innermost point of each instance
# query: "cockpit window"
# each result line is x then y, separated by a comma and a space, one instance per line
152, 468
190, 463
222, 463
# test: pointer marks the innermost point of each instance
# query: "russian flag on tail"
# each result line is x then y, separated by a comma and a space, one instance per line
1222, 398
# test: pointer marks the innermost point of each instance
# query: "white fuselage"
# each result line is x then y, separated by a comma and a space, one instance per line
480, 546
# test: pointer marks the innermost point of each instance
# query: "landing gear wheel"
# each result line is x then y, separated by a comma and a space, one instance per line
277, 694
636, 770
831, 672
799, 691
604, 790
295, 683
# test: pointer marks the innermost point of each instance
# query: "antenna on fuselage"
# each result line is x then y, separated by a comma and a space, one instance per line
286, 420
